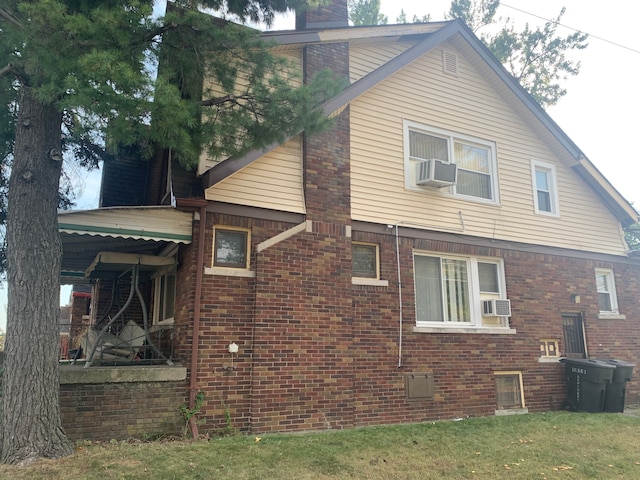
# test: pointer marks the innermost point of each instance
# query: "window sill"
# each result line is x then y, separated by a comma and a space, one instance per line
372, 282
547, 214
163, 324
470, 330
549, 359
512, 411
611, 316
229, 272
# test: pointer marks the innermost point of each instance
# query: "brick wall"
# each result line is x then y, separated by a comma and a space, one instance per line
463, 365
121, 411
317, 352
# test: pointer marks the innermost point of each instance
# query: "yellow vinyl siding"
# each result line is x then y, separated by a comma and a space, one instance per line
363, 59
467, 105
294, 57
273, 181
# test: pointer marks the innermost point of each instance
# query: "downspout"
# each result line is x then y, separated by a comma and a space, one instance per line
194, 204
397, 233
399, 296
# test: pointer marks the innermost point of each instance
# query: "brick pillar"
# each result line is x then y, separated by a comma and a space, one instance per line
302, 361
330, 16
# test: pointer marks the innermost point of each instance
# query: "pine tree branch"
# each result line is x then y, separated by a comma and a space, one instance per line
10, 68
10, 18
213, 102
156, 32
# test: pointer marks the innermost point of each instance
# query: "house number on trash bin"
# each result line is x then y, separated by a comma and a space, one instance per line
582, 371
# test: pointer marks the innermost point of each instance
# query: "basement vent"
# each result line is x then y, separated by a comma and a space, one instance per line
450, 62
418, 386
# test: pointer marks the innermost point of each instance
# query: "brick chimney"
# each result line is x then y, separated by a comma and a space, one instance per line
333, 15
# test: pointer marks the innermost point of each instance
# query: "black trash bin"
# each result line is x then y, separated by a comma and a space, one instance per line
587, 380
614, 396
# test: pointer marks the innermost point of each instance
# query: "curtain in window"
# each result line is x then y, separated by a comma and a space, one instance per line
488, 273
456, 287
427, 147
474, 170
508, 391
428, 289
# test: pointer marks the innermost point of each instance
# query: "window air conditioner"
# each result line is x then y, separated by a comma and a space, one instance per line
436, 173
496, 308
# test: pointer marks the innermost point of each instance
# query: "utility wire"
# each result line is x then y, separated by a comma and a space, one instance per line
571, 28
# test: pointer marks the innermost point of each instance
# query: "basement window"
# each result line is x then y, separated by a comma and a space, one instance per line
509, 392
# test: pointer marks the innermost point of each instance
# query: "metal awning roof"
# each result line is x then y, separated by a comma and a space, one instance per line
128, 230
118, 262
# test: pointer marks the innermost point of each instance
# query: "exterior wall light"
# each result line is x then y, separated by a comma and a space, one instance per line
232, 348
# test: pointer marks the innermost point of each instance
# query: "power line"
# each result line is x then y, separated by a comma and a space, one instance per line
571, 28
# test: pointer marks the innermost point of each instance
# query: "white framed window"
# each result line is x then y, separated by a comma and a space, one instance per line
477, 177
449, 290
509, 390
545, 190
231, 247
164, 298
606, 288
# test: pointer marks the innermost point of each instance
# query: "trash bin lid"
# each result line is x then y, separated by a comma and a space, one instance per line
618, 363
587, 362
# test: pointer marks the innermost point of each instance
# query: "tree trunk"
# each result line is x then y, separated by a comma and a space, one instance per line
31, 424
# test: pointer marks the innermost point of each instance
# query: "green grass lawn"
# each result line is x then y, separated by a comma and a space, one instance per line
554, 445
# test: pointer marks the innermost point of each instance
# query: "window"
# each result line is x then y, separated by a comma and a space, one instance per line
230, 248
449, 290
509, 390
544, 186
365, 260
549, 348
607, 300
475, 158
164, 297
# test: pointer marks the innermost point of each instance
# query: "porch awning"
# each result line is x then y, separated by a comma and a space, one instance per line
117, 262
128, 230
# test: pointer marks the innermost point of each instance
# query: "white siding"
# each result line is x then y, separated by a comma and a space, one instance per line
273, 181
465, 104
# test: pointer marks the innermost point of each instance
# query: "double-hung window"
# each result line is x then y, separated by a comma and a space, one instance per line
545, 195
449, 289
606, 288
475, 159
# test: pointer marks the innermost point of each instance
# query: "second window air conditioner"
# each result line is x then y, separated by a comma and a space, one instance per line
436, 173
496, 308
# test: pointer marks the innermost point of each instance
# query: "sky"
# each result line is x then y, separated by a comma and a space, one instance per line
599, 112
